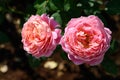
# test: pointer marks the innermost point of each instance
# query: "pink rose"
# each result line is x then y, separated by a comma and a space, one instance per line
40, 35
86, 40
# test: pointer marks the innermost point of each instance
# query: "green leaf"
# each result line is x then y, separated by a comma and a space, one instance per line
30, 9
113, 7
43, 58
52, 6
38, 1
59, 4
91, 7
113, 46
3, 37
110, 66
57, 17
33, 61
1, 18
64, 56
67, 5
41, 7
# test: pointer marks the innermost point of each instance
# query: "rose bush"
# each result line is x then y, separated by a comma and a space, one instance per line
86, 40
40, 35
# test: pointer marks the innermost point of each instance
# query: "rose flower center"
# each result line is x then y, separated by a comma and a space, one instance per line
83, 38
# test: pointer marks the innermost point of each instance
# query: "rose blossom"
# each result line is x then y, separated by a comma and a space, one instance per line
86, 40
40, 35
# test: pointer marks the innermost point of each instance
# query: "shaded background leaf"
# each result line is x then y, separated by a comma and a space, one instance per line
110, 66
33, 61
113, 6
3, 37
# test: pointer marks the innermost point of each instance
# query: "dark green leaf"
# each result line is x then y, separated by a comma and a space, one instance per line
91, 8
1, 18
110, 66
30, 9
3, 37
33, 61
41, 7
113, 7
52, 6
64, 56
59, 4
113, 46
39, 1
43, 58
